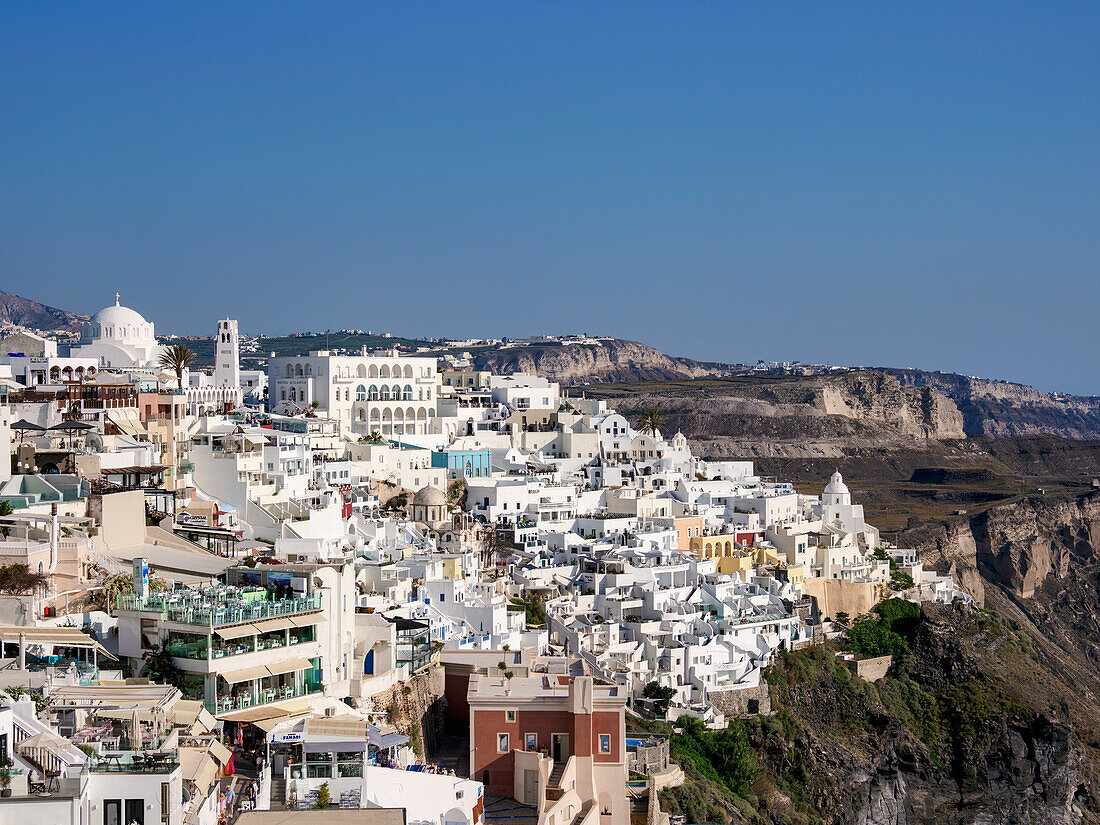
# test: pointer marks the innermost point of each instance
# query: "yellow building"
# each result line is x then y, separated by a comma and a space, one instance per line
742, 566
714, 547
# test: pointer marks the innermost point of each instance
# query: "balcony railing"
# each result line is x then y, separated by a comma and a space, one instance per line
264, 696
130, 762
215, 614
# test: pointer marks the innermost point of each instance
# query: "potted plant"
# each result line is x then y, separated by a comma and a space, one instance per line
5, 775
291, 795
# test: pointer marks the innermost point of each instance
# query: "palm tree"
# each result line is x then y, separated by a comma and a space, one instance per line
177, 358
652, 419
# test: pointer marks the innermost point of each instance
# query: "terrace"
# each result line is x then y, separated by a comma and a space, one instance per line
220, 605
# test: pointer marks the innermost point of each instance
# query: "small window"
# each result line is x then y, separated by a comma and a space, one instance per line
509, 716
530, 741
502, 743
605, 743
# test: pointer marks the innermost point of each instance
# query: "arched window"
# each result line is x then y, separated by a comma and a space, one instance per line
298, 370
407, 395
385, 393
396, 393
408, 371
360, 393
373, 371
384, 372
373, 393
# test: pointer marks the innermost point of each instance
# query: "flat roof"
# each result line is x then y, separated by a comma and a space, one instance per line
363, 816
174, 560
65, 636
116, 695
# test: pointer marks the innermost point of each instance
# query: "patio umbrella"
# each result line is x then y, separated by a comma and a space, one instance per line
71, 427
23, 425
43, 740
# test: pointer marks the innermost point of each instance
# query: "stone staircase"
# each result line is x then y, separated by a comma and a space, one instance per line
553, 784
278, 794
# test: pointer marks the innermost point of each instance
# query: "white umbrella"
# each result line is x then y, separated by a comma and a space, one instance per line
43, 740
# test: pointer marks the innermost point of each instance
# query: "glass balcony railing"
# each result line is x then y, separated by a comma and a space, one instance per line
212, 613
131, 762
196, 647
262, 696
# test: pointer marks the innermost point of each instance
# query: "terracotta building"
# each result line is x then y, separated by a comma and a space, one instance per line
554, 741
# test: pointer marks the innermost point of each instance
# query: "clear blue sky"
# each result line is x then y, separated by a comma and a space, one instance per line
910, 184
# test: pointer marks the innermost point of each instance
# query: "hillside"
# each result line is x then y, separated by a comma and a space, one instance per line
988, 715
34, 315
611, 360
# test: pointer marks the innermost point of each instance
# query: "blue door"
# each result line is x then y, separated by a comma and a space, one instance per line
368, 665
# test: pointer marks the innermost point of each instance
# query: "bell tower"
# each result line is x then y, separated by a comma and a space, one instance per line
227, 355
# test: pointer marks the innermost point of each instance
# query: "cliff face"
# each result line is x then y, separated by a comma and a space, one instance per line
794, 416
1016, 546
1001, 408
954, 734
614, 360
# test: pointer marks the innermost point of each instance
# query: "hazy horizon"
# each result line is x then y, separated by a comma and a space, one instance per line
852, 184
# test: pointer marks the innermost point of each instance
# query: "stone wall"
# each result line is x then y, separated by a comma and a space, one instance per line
834, 596
871, 670
416, 708
741, 702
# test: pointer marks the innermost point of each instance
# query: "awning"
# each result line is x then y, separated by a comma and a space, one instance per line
288, 666
116, 694
270, 625
63, 636
253, 715
246, 674
337, 727
192, 714
198, 767
268, 725
390, 740
219, 751
236, 631
306, 621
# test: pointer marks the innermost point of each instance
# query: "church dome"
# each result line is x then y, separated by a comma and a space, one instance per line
118, 316
836, 485
429, 497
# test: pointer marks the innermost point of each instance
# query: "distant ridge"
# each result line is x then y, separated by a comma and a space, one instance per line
24, 312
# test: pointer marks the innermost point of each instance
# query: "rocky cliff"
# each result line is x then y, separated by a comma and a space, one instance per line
955, 733
1002, 408
793, 416
611, 360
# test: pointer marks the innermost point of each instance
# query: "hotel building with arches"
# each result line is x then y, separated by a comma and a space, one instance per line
386, 392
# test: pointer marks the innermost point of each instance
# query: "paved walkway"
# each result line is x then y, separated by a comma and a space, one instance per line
500, 810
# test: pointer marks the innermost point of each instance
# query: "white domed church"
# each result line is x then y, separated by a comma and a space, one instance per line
837, 512
118, 338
